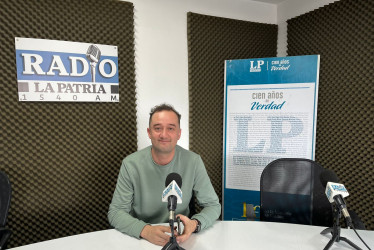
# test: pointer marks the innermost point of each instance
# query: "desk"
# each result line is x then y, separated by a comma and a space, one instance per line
222, 235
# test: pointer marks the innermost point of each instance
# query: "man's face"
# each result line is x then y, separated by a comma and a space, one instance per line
164, 132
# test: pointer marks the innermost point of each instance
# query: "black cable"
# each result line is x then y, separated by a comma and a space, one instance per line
354, 229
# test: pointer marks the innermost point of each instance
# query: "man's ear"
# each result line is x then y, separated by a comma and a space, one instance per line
149, 133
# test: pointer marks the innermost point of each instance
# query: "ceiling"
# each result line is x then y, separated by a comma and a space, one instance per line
270, 1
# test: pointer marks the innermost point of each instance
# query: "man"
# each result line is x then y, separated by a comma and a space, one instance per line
136, 202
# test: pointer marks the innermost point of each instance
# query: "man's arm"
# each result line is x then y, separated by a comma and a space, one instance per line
207, 198
119, 210
120, 218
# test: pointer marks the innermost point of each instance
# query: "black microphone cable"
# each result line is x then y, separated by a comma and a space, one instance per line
354, 229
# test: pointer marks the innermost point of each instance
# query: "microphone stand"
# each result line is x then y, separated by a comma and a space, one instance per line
172, 244
335, 231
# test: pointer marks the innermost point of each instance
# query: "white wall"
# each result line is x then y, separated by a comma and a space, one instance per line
290, 9
161, 58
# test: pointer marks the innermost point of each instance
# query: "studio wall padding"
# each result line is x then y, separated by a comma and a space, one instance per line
343, 34
63, 158
211, 41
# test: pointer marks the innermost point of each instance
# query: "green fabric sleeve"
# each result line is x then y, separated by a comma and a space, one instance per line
119, 210
206, 197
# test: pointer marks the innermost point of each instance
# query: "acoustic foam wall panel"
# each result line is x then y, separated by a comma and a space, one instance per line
211, 41
63, 159
343, 34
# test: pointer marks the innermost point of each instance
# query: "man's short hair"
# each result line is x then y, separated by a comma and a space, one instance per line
164, 107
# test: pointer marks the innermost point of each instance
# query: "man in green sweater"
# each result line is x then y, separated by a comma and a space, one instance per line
136, 202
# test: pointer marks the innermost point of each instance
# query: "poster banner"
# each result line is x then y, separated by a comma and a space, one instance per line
62, 71
270, 112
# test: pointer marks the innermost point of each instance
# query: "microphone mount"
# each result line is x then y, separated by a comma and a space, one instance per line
172, 244
335, 230
172, 205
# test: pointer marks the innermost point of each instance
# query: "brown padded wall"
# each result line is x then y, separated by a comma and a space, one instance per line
211, 41
63, 158
343, 34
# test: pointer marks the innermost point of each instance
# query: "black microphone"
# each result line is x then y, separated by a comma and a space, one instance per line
172, 193
335, 192
93, 55
328, 175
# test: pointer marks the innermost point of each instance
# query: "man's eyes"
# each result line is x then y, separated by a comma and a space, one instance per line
159, 129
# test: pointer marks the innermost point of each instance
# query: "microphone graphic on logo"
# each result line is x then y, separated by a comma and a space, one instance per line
93, 55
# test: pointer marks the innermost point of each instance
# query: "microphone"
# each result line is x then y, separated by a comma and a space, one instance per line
172, 194
93, 55
335, 192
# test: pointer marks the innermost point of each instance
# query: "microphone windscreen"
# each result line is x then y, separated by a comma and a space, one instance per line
328, 175
174, 177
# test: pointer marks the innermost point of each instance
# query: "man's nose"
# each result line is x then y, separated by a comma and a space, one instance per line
163, 132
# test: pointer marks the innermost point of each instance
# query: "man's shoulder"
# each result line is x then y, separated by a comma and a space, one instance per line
138, 155
185, 152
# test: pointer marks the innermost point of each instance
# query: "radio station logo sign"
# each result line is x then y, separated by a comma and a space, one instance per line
62, 71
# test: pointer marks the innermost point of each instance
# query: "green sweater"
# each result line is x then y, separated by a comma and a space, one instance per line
137, 198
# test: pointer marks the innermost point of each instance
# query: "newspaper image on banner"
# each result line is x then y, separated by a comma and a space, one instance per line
63, 71
270, 113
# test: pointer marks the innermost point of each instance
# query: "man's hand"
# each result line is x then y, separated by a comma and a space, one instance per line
156, 234
189, 228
